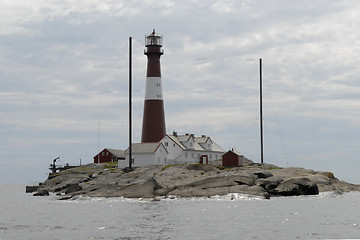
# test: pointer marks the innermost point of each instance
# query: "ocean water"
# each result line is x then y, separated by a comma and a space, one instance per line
326, 216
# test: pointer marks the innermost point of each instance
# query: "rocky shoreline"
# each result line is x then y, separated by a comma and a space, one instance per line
189, 180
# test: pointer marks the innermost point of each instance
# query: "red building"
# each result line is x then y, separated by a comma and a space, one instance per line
109, 155
232, 158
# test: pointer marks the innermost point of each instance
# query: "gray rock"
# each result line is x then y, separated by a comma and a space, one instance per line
295, 187
41, 192
190, 180
223, 181
199, 192
269, 183
263, 174
252, 190
30, 189
73, 188
200, 167
142, 190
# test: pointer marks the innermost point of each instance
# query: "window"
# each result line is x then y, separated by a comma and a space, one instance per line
103, 154
210, 156
190, 144
107, 153
174, 144
192, 155
185, 155
166, 144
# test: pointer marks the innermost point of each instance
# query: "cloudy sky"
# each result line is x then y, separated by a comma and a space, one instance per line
64, 79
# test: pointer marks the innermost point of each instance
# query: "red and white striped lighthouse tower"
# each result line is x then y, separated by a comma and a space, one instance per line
153, 129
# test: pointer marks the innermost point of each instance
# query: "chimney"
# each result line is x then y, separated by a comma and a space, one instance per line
174, 133
203, 135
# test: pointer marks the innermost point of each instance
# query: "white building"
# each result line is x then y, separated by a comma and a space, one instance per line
190, 149
174, 149
144, 154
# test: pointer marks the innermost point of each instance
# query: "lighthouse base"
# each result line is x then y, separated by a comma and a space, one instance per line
153, 129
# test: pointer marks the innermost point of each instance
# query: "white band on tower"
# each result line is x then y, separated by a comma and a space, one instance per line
153, 89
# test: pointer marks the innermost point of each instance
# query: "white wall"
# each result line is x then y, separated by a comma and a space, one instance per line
122, 163
174, 150
141, 159
161, 156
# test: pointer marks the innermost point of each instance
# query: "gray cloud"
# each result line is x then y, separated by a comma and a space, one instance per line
63, 69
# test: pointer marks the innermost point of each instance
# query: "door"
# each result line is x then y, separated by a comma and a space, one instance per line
204, 159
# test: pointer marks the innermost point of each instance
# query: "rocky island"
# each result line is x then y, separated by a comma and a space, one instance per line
190, 180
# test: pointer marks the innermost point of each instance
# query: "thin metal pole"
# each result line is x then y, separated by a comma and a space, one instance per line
98, 158
261, 115
130, 104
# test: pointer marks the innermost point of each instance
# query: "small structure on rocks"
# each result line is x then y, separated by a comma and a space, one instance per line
174, 149
109, 155
145, 154
232, 158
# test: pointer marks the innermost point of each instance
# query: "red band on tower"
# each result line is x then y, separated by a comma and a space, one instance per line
154, 117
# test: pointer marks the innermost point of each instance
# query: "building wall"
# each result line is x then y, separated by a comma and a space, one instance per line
230, 159
161, 155
123, 163
173, 149
141, 159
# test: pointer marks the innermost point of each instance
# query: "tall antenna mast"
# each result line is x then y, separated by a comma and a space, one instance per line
98, 158
130, 105
261, 115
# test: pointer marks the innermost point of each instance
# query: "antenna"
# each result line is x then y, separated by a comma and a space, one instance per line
130, 96
98, 158
261, 115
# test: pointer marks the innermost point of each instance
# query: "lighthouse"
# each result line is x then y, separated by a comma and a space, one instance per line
153, 129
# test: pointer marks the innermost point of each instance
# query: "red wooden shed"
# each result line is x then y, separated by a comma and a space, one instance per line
232, 158
109, 155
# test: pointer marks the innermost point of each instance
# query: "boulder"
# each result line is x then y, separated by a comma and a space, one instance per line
30, 189
252, 190
200, 167
263, 174
73, 188
142, 190
41, 192
269, 183
295, 187
199, 192
223, 181
62, 187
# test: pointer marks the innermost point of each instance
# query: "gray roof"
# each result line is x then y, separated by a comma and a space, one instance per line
183, 138
236, 152
216, 148
202, 139
143, 147
198, 141
117, 152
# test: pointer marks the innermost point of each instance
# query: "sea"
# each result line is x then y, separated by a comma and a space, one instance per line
234, 216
